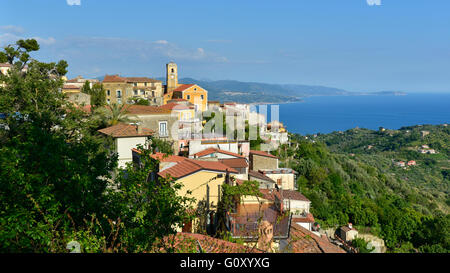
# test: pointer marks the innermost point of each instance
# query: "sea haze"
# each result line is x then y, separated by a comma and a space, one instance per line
325, 114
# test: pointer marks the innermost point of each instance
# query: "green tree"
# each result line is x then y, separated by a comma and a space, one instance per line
113, 114
98, 95
362, 246
148, 205
161, 146
86, 88
54, 171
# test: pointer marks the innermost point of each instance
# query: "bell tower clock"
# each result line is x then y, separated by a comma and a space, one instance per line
171, 76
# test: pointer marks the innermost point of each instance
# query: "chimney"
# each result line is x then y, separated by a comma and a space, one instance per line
138, 127
350, 226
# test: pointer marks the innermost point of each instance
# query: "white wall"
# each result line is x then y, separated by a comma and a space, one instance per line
297, 206
287, 179
124, 146
196, 146
308, 226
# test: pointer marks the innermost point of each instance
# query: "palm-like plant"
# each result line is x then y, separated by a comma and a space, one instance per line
115, 113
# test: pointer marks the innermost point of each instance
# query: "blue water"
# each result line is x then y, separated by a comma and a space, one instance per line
326, 114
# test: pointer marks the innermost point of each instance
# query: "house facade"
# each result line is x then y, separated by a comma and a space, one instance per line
163, 123
126, 137
121, 89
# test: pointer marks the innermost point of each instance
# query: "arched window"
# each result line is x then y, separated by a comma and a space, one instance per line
173, 70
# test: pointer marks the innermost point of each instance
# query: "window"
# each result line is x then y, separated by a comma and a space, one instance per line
153, 93
142, 92
173, 70
108, 101
201, 97
188, 97
145, 84
135, 84
108, 92
119, 101
163, 128
119, 93
135, 92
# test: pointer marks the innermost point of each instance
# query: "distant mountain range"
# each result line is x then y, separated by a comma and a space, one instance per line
255, 92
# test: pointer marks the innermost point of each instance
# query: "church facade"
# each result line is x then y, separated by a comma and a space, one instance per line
192, 93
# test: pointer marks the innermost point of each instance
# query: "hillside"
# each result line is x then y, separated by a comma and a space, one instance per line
348, 181
254, 92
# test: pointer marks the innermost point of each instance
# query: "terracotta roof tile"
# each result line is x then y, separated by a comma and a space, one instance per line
70, 86
175, 106
125, 130
302, 240
215, 150
270, 195
190, 166
235, 162
193, 242
144, 109
141, 79
294, 195
168, 158
183, 87
114, 78
261, 153
259, 175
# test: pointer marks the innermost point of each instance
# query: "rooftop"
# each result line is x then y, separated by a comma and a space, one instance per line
261, 153
183, 87
117, 78
125, 130
193, 242
134, 109
293, 195
235, 162
259, 175
175, 106
190, 166
302, 240
209, 151
141, 79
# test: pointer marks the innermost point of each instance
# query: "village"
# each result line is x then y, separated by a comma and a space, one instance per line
205, 158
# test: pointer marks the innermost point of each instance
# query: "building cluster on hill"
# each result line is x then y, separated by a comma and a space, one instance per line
276, 219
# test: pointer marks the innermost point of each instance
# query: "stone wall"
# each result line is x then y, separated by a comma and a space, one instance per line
258, 162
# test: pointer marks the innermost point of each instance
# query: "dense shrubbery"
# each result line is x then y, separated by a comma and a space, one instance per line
359, 189
55, 172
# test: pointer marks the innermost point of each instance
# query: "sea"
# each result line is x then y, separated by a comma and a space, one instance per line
325, 114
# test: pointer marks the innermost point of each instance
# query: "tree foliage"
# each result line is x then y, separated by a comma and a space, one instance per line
56, 178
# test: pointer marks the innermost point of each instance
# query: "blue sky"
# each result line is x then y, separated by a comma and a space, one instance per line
357, 45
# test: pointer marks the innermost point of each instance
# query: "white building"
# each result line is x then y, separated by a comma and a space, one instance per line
126, 137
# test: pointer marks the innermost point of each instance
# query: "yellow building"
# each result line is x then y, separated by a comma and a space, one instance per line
184, 112
202, 178
190, 92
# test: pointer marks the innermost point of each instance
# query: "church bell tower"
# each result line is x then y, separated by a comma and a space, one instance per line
171, 76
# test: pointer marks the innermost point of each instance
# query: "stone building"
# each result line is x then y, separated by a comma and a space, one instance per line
260, 160
162, 121
123, 89
348, 232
